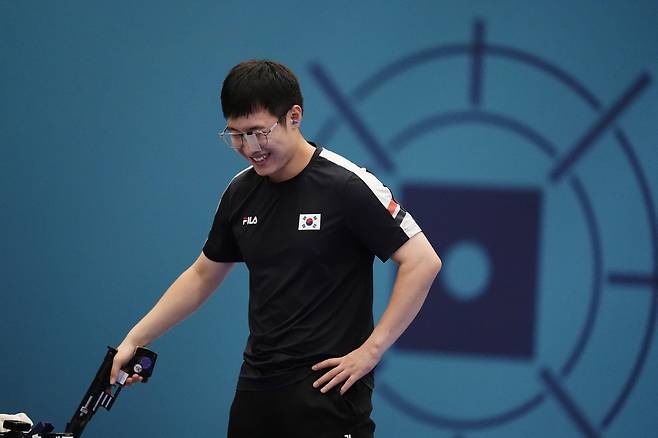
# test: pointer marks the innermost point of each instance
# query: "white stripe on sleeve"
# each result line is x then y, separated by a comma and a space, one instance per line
383, 194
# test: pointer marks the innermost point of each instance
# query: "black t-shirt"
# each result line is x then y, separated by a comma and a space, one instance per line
309, 245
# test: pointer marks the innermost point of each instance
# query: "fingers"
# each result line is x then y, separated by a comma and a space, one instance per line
347, 385
117, 363
113, 373
122, 357
135, 378
327, 363
337, 377
346, 370
330, 377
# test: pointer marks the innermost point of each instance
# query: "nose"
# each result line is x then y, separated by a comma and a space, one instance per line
252, 143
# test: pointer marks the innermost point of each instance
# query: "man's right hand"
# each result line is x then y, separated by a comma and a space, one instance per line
125, 352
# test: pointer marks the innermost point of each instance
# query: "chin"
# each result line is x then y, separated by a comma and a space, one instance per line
267, 171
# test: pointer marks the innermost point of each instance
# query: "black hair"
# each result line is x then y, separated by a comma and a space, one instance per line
260, 84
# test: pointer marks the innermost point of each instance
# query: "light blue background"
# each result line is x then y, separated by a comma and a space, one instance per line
111, 171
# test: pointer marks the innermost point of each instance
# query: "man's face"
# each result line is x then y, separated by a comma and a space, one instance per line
276, 150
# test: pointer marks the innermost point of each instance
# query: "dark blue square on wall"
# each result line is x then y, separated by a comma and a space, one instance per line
484, 300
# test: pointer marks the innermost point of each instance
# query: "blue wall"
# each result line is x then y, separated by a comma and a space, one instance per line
542, 323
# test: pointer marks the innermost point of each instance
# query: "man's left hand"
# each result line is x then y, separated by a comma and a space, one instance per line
347, 369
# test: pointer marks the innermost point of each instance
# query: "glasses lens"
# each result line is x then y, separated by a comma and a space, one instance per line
231, 139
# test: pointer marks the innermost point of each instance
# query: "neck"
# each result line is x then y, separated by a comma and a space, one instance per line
303, 152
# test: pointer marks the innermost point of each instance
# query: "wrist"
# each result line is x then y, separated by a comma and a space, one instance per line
374, 347
131, 341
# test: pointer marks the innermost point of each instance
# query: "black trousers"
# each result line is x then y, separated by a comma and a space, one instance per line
301, 411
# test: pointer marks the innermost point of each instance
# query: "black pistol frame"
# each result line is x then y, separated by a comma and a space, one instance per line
102, 394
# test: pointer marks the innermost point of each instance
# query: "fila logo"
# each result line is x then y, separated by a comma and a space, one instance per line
309, 221
250, 220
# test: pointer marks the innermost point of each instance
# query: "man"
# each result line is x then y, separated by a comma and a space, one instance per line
307, 223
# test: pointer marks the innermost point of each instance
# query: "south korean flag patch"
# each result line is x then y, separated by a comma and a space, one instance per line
309, 221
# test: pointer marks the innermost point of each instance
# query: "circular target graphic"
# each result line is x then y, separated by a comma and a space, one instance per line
504, 170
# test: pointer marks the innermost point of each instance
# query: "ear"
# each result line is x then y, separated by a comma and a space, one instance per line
296, 115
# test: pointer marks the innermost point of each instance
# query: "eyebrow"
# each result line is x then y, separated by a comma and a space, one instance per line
251, 128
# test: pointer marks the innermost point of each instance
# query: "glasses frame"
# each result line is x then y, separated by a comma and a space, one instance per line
229, 137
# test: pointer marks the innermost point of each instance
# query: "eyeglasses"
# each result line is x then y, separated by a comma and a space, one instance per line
255, 139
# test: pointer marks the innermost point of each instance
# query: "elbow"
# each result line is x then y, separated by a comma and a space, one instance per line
436, 264
431, 264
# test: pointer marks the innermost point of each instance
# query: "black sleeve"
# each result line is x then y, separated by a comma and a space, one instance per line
221, 245
374, 217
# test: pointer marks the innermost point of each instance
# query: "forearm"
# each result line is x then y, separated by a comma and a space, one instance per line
184, 296
410, 289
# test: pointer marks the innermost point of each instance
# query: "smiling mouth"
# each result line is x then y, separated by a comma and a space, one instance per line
259, 158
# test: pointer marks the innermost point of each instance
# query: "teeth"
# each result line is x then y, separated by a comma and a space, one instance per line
259, 158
